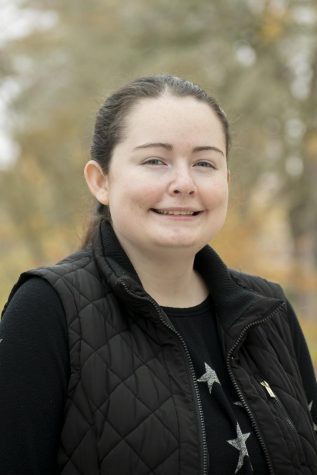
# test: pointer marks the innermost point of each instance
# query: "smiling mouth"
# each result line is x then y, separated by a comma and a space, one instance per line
169, 212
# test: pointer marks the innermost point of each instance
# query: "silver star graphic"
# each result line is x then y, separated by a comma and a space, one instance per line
310, 405
210, 377
240, 444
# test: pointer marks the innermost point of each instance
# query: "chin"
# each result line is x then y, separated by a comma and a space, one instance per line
180, 244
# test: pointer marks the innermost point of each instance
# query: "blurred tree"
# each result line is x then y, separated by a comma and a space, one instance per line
258, 57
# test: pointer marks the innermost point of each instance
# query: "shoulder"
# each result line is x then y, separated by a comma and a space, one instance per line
35, 289
271, 289
77, 261
257, 284
45, 284
32, 302
69, 272
33, 323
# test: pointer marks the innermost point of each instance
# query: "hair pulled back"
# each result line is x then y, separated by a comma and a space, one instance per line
111, 117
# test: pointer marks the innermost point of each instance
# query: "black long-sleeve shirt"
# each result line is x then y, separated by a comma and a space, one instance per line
35, 367
34, 372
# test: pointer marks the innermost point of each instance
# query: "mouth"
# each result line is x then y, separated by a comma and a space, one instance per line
176, 212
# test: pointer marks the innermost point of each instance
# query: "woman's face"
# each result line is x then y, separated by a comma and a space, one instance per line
167, 186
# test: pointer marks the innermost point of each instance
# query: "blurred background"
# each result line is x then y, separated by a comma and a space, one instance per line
59, 60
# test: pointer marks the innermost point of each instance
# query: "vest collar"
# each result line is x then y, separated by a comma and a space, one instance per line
236, 305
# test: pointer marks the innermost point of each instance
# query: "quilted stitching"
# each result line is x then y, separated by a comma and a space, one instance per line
97, 341
123, 383
269, 345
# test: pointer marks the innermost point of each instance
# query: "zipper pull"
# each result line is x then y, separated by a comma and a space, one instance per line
268, 388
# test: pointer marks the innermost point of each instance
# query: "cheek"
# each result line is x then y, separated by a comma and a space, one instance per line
216, 194
133, 194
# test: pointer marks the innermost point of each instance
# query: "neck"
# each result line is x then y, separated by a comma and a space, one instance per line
171, 281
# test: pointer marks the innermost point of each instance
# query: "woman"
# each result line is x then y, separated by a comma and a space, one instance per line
143, 353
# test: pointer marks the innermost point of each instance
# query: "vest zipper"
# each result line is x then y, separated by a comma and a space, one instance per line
239, 392
277, 401
167, 324
282, 409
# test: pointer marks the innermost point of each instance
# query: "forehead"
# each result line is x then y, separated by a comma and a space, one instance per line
169, 118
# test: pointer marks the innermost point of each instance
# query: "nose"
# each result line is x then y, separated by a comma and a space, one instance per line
182, 182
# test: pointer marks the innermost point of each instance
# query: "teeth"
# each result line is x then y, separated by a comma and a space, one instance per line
175, 213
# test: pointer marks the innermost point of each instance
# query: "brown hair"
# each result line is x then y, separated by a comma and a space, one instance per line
110, 122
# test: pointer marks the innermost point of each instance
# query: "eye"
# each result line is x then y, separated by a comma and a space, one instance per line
153, 161
205, 164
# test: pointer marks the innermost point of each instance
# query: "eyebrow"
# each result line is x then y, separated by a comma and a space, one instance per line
168, 146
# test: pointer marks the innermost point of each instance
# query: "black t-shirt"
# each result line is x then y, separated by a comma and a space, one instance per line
35, 368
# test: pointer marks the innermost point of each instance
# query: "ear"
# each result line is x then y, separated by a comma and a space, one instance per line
97, 181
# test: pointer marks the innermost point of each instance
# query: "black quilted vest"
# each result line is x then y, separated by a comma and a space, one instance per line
133, 406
